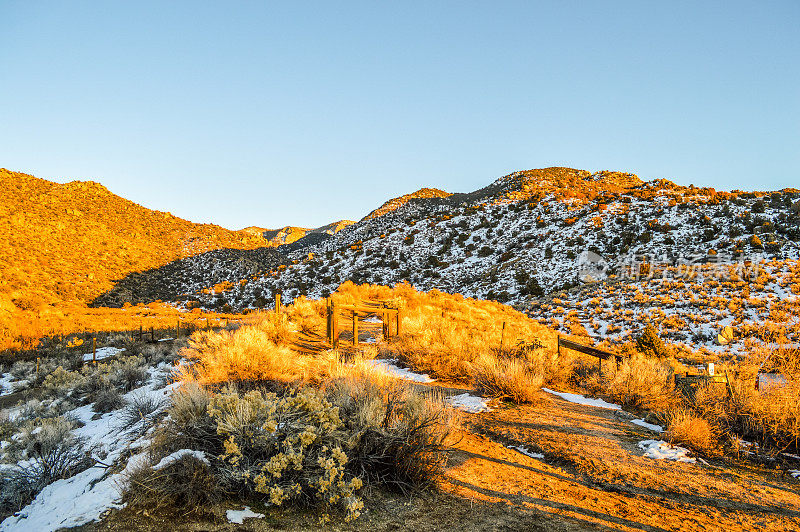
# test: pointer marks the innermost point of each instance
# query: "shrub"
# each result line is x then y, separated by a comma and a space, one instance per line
397, 436
140, 412
641, 382
649, 343
108, 399
49, 451
186, 483
128, 373
506, 379
63, 383
285, 448
247, 354
686, 428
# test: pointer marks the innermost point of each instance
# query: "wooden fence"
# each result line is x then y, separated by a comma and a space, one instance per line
587, 350
391, 318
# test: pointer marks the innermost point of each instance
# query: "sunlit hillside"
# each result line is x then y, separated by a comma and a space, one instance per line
70, 242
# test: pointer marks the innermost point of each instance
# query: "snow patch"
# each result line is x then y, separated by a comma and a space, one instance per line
526, 451
581, 400
645, 424
103, 352
238, 516
388, 367
661, 450
470, 403
177, 455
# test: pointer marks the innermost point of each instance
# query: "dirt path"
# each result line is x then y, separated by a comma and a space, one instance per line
594, 474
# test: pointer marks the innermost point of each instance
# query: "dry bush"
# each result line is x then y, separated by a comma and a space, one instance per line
48, 451
187, 483
506, 379
108, 399
306, 445
641, 382
251, 353
307, 315
397, 436
771, 417
686, 428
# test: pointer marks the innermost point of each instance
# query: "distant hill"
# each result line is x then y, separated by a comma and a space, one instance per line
396, 203
70, 242
291, 234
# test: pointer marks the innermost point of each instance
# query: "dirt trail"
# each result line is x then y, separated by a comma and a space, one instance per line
594, 474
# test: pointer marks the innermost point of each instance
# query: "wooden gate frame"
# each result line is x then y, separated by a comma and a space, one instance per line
388, 314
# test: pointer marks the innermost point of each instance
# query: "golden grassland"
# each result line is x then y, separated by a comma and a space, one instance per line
53, 325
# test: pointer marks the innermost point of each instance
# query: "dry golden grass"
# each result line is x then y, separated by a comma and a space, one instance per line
641, 382
506, 379
25, 332
686, 428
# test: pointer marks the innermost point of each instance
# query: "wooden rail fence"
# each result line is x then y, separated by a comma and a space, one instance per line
600, 354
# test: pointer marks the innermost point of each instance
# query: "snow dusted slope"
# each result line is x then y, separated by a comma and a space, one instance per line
610, 251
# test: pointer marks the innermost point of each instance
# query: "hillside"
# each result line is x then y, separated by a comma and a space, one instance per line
70, 242
598, 254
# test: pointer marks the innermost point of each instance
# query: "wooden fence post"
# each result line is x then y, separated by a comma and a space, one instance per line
177, 328
355, 327
397, 326
141, 330
334, 326
94, 350
558, 345
502, 337
37, 368
328, 320
152, 334
278, 302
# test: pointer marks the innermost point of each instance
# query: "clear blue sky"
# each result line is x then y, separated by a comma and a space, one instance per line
259, 113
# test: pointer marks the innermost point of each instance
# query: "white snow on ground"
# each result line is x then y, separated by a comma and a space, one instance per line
177, 455
84, 497
103, 352
645, 424
373, 319
661, 450
238, 516
5, 384
526, 451
581, 400
470, 403
795, 472
388, 367
8, 385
